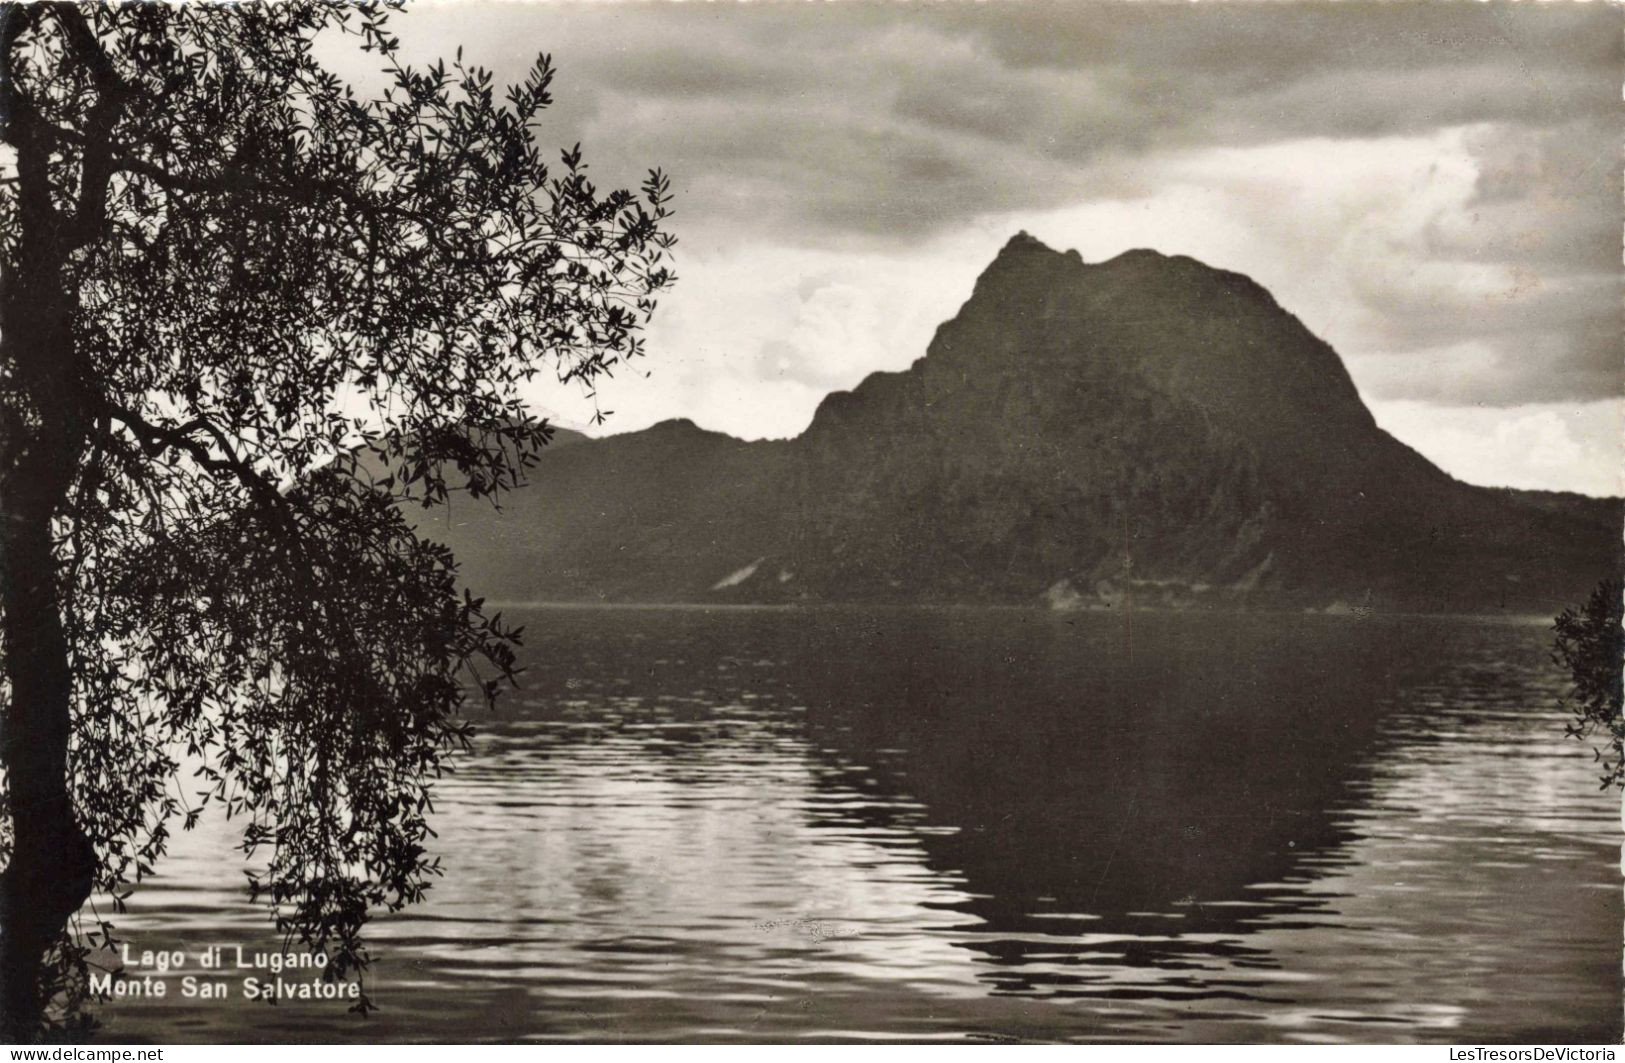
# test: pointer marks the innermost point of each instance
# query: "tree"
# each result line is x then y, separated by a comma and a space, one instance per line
248, 320
1590, 645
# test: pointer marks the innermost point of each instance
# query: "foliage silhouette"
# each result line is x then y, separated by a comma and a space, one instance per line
247, 319
1590, 645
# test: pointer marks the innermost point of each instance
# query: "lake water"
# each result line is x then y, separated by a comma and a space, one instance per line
954, 824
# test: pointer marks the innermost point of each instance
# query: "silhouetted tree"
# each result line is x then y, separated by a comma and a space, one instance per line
1590, 645
246, 317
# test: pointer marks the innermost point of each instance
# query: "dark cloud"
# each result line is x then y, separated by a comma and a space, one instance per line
1540, 369
1547, 197
984, 103
885, 124
1247, 47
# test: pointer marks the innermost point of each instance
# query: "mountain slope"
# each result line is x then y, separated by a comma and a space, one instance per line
1146, 430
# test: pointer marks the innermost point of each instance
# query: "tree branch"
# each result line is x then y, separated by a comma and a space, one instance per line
14, 18
242, 180
157, 438
21, 124
82, 40
112, 94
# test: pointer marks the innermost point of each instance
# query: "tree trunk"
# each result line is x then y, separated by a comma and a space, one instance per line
43, 429
52, 863
42, 437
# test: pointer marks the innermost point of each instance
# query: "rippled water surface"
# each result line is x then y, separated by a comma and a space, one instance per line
981, 824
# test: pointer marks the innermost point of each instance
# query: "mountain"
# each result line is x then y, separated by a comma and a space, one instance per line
1147, 430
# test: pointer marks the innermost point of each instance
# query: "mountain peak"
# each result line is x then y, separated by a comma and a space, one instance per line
679, 426
1146, 254
1024, 245
1025, 241
1026, 262
1065, 413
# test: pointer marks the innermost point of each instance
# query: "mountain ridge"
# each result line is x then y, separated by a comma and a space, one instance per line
1144, 429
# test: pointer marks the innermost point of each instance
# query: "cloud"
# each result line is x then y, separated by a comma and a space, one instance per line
898, 120
764, 333
1347, 234
1548, 446
1433, 188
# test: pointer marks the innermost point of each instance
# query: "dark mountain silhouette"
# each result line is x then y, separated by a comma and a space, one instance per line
1143, 431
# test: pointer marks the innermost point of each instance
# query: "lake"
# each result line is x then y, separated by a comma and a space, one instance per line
980, 824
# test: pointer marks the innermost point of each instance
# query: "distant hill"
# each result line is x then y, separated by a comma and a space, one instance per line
1142, 431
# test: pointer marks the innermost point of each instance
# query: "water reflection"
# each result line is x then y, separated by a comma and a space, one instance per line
956, 823
1118, 796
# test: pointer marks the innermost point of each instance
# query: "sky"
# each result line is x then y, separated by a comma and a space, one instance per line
1433, 188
